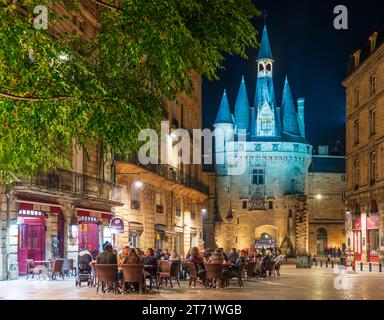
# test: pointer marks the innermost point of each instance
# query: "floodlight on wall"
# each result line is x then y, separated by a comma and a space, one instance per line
138, 184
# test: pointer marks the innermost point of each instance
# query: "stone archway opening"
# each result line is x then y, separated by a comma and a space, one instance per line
266, 236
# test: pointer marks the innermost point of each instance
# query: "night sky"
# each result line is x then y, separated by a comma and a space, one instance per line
313, 54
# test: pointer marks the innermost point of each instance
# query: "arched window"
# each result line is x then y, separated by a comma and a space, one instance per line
269, 67
261, 67
321, 240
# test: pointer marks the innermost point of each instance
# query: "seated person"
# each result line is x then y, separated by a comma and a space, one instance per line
198, 260
150, 261
233, 255
107, 256
217, 257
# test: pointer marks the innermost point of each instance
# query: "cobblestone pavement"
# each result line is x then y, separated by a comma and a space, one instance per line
293, 284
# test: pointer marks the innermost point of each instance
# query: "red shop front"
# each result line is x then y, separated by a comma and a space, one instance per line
90, 235
373, 238
31, 220
357, 237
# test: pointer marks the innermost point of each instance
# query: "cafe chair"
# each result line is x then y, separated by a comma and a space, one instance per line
107, 277
57, 268
169, 270
133, 274
214, 275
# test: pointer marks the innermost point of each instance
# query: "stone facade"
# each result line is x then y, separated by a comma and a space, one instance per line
364, 87
59, 201
262, 160
326, 203
165, 201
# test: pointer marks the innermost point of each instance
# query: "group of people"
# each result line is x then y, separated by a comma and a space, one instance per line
150, 257
235, 258
332, 252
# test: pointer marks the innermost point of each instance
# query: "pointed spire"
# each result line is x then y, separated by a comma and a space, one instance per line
290, 123
224, 113
265, 48
242, 107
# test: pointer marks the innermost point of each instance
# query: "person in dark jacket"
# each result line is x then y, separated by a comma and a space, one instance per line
150, 261
107, 256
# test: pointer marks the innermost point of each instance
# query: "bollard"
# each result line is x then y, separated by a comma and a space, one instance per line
321, 263
326, 264
380, 267
370, 267
332, 264
316, 262
361, 266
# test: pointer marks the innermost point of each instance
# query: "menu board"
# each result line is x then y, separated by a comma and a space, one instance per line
55, 246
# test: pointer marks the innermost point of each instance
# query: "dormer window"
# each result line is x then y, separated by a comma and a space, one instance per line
372, 41
266, 124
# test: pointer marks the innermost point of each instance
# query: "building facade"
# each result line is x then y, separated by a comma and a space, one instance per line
326, 202
259, 206
58, 213
166, 201
365, 150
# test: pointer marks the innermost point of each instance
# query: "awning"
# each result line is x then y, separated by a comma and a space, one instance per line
136, 227
94, 213
31, 205
170, 232
160, 228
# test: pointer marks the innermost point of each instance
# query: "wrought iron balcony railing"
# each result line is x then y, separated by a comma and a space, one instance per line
173, 174
62, 180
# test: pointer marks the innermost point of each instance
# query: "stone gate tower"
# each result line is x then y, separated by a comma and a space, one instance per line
262, 160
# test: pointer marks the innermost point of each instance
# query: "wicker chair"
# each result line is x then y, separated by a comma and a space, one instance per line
107, 277
251, 269
93, 279
57, 268
192, 274
133, 273
32, 269
214, 273
169, 270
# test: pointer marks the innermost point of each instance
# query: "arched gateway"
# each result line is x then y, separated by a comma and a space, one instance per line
266, 236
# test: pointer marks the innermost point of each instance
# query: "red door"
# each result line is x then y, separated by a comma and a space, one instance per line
31, 242
89, 237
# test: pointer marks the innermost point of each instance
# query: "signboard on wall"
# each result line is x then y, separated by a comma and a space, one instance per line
55, 246
117, 225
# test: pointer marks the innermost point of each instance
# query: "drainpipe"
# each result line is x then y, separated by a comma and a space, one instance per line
7, 227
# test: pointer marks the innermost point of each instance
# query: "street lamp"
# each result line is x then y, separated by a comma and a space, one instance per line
138, 183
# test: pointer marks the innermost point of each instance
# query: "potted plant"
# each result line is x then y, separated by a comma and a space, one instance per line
303, 259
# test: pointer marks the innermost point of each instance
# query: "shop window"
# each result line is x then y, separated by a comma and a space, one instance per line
134, 240
321, 240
